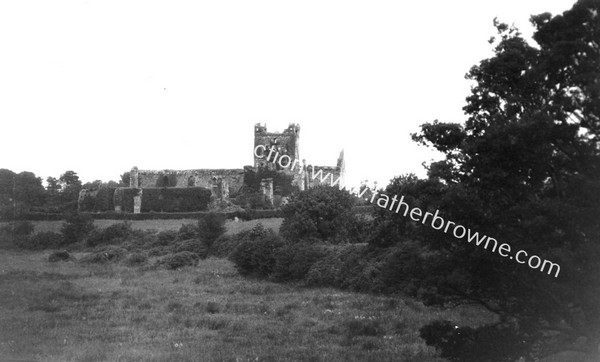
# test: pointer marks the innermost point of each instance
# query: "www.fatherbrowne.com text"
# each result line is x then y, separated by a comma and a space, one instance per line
436, 222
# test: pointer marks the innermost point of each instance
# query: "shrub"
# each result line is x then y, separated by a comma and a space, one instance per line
405, 268
495, 343
136, 259
140, 240
42, 240
60, 256
76, 227
159, 251
321, 212
326, 271
211, 227
225, 244
108, 254
192, 245
167, 237
256, 256
187, 231
356, 228
109, 234
179, 260
293, 261
361, 268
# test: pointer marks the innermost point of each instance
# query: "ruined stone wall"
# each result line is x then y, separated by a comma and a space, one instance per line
231, 179
273, 179
329, 175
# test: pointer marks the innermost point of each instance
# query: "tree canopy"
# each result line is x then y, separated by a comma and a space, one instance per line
524, 167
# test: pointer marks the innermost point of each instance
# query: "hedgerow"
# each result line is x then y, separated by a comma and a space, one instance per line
175, 199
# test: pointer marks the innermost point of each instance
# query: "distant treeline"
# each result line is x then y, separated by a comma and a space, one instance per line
24, 193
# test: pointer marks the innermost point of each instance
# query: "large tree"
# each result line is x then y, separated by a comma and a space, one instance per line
19, 193
70, 187
525, 169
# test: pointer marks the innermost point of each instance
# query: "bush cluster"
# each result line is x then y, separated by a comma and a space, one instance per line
108, 254
76, 227
112, 234
294, 260
187, 231
210, 227
323, 212
256, 255
135, 259
62, 255
494, 343
192, 245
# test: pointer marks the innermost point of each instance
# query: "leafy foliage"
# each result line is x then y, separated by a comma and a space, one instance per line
257, 256
102, 201
187, 231
60, 255
282, 182
174, 199
293, 261
323, 212
524, 168
495, 343
192, 245
70, 187
19, 193
210, 227
76, 227
108, 254
109, 234
135, 259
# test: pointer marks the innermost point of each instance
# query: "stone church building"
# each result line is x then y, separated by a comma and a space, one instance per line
221, 189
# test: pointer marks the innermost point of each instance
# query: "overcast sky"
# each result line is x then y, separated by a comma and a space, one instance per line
100, 86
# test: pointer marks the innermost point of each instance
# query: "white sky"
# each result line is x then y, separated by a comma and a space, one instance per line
100, 86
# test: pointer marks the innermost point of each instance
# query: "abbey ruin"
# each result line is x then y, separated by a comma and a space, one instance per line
265, 184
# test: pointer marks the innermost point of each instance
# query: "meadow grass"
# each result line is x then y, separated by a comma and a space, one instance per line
71, 311
232, 226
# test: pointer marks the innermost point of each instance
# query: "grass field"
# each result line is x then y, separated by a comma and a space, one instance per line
69, 311
73, 311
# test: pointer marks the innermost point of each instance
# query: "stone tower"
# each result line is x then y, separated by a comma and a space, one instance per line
285, 143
